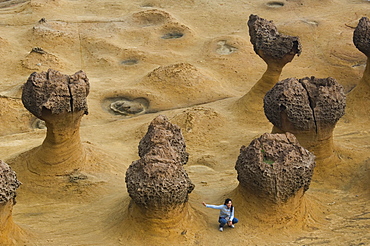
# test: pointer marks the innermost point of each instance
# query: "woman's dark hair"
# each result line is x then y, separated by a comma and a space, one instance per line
227, 200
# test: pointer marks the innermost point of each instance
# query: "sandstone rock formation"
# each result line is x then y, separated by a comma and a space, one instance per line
157, 182
15, 118
358, 98
9, 183
274, 172
361, 36
59, 100
164, 87
276, 50
275, 167
309, 108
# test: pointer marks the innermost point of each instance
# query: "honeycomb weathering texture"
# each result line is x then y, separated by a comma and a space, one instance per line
275, 166
8, 183
164, 140
158, 184
361, 36
56, 92
265, 37
158, 179
306, 104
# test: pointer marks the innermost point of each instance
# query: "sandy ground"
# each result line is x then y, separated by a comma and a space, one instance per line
210, 64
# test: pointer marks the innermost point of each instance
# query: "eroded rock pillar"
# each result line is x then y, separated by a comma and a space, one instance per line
309, 108
59, 100
157, 182
358, 98
274, 172
276, 50
9, 183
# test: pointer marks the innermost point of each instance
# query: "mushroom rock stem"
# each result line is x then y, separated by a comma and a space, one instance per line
6, 217
265, 83
62, 149
10, 233
366, 76
157, 217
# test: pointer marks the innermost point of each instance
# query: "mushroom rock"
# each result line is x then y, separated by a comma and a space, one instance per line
358, 98
59, 100
157, 182
266, 39
276, 50
275, 167
274, 172
361, 36
309, 108
9, 231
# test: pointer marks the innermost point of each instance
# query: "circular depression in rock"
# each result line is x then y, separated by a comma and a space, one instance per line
173, 35
130, 62
127, 107
274, 4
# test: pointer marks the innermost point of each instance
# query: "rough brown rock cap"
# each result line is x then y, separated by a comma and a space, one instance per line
165, 140
8, 183
307, 104
56, 92
275, 166
361, 36
265, 37
158, 180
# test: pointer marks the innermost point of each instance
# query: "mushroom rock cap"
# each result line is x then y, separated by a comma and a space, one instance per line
165, 140
265, 36
158, 179
56, 92
361, 36
8, 183
307, 104
158, 183
275, 166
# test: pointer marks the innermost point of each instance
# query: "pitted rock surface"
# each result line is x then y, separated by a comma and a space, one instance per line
265, 36
275, 166
361, 36
158, 183
306, 104
164, 140
8, 183
56, 92
158, 180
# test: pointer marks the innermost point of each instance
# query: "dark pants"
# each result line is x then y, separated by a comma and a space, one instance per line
223, 221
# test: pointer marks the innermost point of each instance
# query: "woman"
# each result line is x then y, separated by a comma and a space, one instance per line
226, 213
